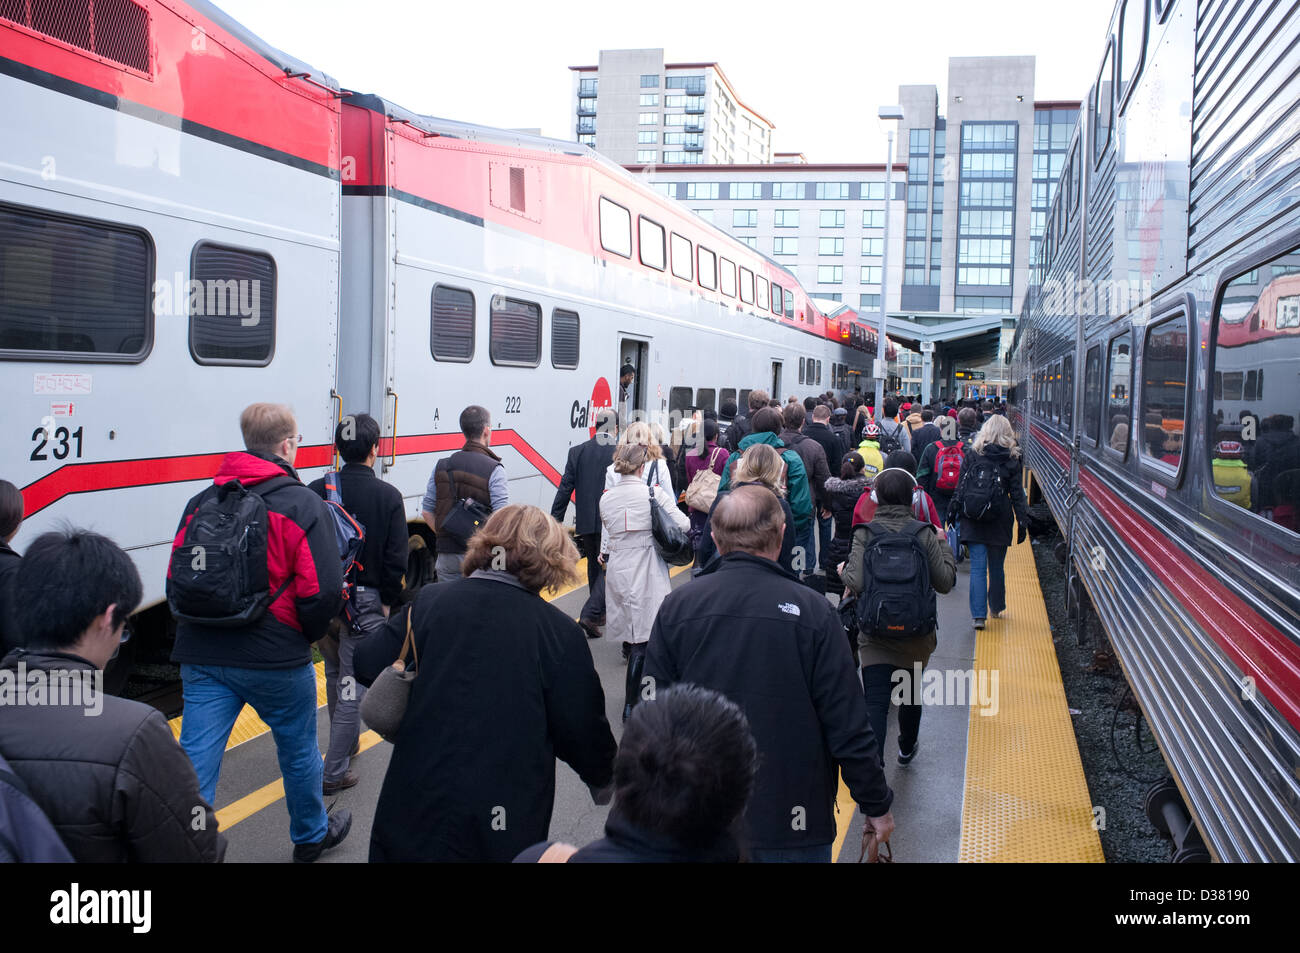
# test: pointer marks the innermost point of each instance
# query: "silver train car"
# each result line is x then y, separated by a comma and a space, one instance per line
1159, 429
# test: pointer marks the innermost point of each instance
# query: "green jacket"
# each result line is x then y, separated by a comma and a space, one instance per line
901, 653
796, 478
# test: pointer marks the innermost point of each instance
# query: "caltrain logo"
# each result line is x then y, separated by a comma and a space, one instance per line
584, 415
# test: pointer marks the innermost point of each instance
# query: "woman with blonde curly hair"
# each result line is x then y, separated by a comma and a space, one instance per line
636, 578
504, 685
659, 462
760, 465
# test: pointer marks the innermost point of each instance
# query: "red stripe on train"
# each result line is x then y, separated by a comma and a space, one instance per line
1257, 648
74, 478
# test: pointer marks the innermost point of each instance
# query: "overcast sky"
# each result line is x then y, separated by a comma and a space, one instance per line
809, 67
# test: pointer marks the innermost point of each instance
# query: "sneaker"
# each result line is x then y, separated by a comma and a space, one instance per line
348, 780
905, 757
978, 623
339, 825
998, 614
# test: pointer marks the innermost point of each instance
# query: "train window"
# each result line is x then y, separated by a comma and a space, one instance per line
77, 289
679, 400
706, 398
760, 294
1103, 106
1092, 393
708, 268
789, 303
819, 372
1067, 393
564, 339
683, 267
746, 286
801, 374
742, 401
451, 331
729, 393
233, 321
1075, 177
1132, 40
1162, 8
1119, 391
615, 228
515, 332
1164, 393
1253, 434
651, 235
1057, 392
727, 278
776, 299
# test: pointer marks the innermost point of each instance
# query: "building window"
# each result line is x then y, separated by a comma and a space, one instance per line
831, 218
587, 139
675, 119
652, 243
644, 156
744, 218
870, 274
981, 304
873, 218
916, 225
873, 247
240, 329
869, 301
832, 190
451, 327
830, 274
746, 190
751, 241
682, 158
873, 191
785, 246
564, 339
693, 85
615, 228
649, 80
649, 137
788, 190
649, 119
919, 142
830, 246
704, 213
587, 87
515, 332
649, 99
702, 190
786, 218
76, 287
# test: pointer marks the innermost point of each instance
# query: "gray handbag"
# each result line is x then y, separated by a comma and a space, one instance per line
384, 704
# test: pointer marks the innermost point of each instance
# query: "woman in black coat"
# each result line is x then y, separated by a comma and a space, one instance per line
844, 493
995, 451
504, 686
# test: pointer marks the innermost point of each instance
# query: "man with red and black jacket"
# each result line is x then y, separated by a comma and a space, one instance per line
267, 663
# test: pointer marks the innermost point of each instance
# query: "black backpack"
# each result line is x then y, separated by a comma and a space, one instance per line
984, 494
26, 834
218, 574
895, 599
889, 440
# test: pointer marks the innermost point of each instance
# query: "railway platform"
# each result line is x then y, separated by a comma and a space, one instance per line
998, 776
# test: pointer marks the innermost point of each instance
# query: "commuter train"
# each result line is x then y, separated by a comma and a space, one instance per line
192, 221
1156, 371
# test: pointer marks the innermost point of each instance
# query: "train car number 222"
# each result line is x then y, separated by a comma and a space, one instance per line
61, 443
514, 405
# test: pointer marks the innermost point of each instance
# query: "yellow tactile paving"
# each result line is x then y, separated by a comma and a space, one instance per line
1026, 797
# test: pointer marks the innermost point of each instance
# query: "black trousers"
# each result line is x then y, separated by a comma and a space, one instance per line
878, 687
593, 610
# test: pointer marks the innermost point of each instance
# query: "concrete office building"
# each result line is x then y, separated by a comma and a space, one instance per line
823, 222
635, 108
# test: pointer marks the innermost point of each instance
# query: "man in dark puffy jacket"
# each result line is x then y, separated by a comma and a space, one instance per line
267, 663
750, 630
818, 470
106, 771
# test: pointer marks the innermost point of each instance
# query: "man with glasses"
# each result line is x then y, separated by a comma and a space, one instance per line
259, 652
105, 771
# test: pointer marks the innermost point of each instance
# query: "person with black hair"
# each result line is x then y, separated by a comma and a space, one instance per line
683, 776
711, 457
893, 435
106, 771
881, 656
379, 569
473, 472
726, 416
11, 519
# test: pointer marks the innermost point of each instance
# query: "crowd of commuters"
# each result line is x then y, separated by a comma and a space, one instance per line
731, 678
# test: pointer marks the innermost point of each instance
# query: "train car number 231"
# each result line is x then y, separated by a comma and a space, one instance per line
60, 442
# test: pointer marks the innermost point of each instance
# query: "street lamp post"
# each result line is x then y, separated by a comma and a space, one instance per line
886, 113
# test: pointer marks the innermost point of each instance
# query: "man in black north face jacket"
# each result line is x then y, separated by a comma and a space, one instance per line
750, 630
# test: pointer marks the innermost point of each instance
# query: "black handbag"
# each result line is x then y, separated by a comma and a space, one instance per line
673, 544
465, 518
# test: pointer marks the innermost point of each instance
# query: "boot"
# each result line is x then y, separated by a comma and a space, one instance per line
635, 669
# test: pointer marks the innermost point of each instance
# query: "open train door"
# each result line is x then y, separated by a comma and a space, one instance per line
631, 400
776, 380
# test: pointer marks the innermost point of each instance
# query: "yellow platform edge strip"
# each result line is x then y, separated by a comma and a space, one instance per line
1026, 798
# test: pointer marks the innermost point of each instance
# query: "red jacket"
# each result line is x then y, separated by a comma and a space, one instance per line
923, 508
301, 549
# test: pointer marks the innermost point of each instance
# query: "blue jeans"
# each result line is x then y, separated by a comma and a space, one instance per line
817, 854
825, 530
808, 540
284, 698
988, 582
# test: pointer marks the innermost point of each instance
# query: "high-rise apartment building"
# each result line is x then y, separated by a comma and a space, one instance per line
636, 109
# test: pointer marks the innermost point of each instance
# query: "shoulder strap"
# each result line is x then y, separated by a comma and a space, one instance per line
914, 528
713, 457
